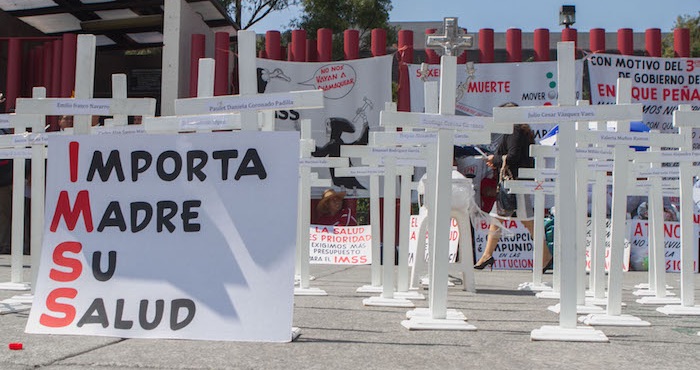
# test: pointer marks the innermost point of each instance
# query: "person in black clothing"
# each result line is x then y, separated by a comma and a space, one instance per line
516, 149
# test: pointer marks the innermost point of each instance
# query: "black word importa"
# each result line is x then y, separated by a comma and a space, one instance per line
169, 165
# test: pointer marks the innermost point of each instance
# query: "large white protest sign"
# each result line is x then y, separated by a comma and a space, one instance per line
340, 245
482, 86
639, 239
169, 236
661, 84
354, 93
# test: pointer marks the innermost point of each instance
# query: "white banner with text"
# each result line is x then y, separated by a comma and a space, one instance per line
169, 236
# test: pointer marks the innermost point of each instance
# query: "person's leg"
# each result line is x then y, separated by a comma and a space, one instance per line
491, 240
546, 256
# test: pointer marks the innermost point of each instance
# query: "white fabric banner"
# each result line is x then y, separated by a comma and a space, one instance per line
340, 245
169, 236
355, 91
661, 84
483, 86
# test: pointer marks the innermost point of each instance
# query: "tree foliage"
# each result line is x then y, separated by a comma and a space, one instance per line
246, 13
341, 15
693, 24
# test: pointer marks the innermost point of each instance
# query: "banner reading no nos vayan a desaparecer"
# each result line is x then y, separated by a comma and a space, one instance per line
169, 236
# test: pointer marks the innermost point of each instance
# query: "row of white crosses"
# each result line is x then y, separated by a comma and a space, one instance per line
464, 266
16, 147
383, 158
439, 189
31, 112
250, 111
241, 112
655, 291
622, 140
598, 214
383, 151
382, 161
685, 120
622, 183
566, 114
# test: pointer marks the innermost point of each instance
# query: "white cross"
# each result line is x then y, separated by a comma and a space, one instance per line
565, 114
452, 41
389, 162
15, 146
82, 107
306, 162
446, 123
249, 102
685, 120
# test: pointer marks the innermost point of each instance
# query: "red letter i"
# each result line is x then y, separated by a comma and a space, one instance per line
73, 160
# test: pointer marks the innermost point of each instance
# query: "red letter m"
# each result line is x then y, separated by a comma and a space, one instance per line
63, 209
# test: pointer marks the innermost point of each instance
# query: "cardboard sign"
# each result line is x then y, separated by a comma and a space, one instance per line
340, 245
169, 236
514, 249
639, 240
413, 239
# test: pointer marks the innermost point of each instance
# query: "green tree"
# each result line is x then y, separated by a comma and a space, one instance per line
254, 10
693, 24
341, 15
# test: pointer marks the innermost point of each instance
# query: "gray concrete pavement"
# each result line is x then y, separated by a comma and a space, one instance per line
339, 332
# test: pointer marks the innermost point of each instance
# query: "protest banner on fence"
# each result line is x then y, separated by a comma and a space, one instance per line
514, 249
340, 245
354, 93
413, 239
661, 84
483, 86
169, 236
639, 240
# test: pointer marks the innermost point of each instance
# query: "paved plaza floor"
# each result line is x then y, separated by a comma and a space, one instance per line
337, 331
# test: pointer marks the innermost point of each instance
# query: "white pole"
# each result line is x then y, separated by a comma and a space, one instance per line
686, 221
18, 215
38, 191
84, 80
402, 283
619, 207
247, 76
566, 211
442, 188
389, 239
